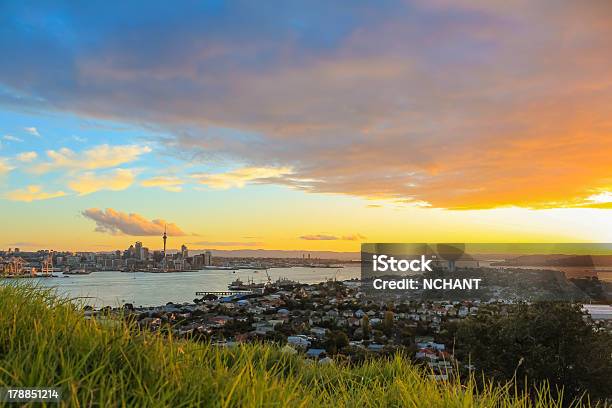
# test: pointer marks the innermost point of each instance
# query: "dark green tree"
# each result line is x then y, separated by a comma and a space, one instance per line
546, 341
388, 322
365, 326
336, 341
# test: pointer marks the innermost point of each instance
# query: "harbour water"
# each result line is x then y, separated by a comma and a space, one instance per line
113, 288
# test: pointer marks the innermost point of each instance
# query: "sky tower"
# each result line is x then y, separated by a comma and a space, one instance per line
165, 236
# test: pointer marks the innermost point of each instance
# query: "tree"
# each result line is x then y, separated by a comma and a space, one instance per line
336, 341
546, 341
387, 324
365, 326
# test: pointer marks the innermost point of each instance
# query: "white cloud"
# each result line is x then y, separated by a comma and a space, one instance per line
27, 157
605, 197
33, 193
12, 138
90, 182
32, 130
98, 157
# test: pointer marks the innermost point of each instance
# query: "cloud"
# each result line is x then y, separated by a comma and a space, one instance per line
32, 130
600, 198
32, 193
98, 157
353, 237
319, 237
116, 222
23, 244
90, 182
325, 237
11, 138
240, 177
414, 100
227, 243
27, 157
4, 166
168, 183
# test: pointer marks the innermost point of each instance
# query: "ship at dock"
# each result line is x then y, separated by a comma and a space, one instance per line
77, 271
238, 284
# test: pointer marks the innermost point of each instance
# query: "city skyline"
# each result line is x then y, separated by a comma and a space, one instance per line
246, 126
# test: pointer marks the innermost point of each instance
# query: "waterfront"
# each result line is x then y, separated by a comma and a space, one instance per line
113, 288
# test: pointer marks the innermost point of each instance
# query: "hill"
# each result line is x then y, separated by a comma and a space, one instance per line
45, 341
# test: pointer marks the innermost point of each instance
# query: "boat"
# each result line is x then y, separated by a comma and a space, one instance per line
285, 282
80, 271
238, 284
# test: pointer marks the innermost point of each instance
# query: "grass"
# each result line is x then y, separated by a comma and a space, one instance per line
45, 341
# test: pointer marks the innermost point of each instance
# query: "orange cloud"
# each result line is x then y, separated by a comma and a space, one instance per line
117, 222
89, 182
227, 243
240, 177
4, 166
32, 193
325, 237
98, 157
27, 157
168, 183
461, 106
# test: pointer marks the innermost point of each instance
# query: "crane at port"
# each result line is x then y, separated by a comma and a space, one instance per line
268, 276
14, 266
47, 265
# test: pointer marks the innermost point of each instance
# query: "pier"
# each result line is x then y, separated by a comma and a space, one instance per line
225, 293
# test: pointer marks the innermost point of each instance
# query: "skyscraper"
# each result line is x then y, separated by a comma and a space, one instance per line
207, 258
138, 250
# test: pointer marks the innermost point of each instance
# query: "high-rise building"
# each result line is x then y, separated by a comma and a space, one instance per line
138, 249
144, 254
198, 261
158, 256
184, 251
207, 258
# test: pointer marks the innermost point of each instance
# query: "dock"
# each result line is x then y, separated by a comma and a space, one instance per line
225, 293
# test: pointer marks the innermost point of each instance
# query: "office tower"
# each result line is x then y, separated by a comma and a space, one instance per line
138, 249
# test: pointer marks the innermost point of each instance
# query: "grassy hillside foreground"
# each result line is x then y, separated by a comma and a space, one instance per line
45, 341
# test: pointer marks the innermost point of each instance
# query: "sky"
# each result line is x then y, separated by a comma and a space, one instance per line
304, 125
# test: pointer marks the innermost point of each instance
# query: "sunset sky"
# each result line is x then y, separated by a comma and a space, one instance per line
304, 125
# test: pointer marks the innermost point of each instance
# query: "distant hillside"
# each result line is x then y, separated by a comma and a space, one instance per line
274, 253
558, 260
